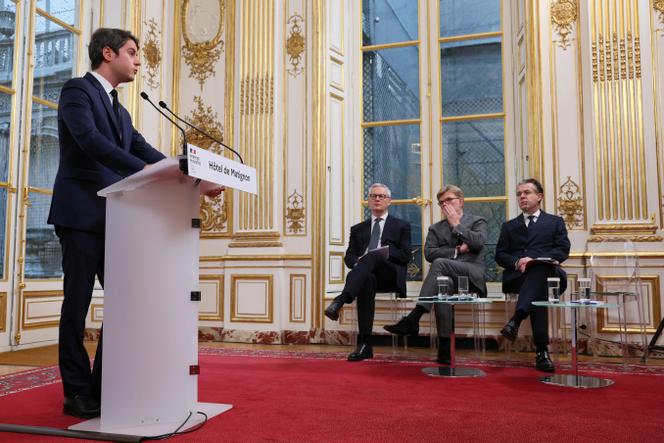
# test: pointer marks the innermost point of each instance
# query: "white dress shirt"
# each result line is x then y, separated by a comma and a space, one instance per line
105, 84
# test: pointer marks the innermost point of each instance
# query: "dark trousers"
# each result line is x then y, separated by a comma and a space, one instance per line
531, 286
371, 274
82, 260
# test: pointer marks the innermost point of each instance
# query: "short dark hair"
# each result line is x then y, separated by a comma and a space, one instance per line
534, 182
113, 38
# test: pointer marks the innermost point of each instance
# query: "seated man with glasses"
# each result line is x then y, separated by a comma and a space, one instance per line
378, 253
454, 247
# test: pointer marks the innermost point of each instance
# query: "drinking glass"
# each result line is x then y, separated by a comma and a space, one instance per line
444, 284
553, 284
584, 289
462, 285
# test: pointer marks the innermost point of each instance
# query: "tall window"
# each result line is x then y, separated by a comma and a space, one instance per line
391, 109
467, 112
7, 102
473, 117
54, 53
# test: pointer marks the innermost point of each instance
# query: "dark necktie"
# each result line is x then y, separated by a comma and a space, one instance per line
375, 234
531, 221
116, 106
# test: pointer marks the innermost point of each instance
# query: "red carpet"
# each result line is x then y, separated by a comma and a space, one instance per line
280, 396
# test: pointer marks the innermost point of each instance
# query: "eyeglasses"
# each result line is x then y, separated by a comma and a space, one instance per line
378, 196
447, 200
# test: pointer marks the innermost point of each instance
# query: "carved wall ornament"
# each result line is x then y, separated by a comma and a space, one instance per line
214, 211
295, 45
295, 213
152, 53
202, 28
563, 16
658, 5
570, 204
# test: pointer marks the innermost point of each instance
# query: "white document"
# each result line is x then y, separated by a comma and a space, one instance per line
215, 168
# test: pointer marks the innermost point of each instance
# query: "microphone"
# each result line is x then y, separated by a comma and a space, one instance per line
163, 105
184, 136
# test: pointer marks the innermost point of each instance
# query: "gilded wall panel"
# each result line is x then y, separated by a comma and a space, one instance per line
298, 298
620, 111
3, 312
203, 76
256, 213
567, 114
296, 101
252, 298
212, 298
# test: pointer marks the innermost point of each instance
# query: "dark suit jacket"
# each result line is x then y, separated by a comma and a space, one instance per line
396, 235
547, 238
93, 155
442, 241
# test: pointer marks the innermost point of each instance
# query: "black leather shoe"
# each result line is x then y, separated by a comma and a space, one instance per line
444, 357
332, 311
405, 326
362, 352
510, 330
543, 362
82, 406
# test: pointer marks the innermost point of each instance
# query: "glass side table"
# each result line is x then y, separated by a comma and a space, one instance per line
452, 370
575, 380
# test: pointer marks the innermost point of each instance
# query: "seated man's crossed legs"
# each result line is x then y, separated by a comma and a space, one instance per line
410, 324
371, 274
532, 286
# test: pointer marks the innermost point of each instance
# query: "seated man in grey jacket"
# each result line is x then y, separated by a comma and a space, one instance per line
454, 247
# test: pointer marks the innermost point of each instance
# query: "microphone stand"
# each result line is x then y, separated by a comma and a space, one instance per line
182, 159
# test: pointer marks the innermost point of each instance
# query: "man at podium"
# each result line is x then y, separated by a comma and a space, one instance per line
98, 147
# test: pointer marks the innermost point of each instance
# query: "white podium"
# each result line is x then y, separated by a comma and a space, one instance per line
150, 345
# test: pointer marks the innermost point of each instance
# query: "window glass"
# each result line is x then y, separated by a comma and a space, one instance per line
392, 156
391, 86
43, 257
44, 147
388, 21
471, 77
474, 156
7, 41
54, 58
5, 134
494, 213
463, 17
65, 10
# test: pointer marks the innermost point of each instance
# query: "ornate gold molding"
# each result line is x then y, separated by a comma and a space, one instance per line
152, 53
257, 95
258, 239
658, 5
295, 44
616, 59
637, 232
201, 56
563, 16
214, 211
295, 213
570, 204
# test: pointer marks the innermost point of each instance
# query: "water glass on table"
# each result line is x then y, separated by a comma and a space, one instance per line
553, 284
463, 286
444, 285
584, 289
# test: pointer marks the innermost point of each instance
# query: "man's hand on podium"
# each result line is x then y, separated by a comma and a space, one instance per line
214, 192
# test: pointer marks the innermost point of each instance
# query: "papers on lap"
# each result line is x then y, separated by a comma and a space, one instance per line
383, 251
545, 260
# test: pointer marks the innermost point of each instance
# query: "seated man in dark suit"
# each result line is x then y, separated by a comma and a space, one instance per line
373, 271
454, 247
532, 235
